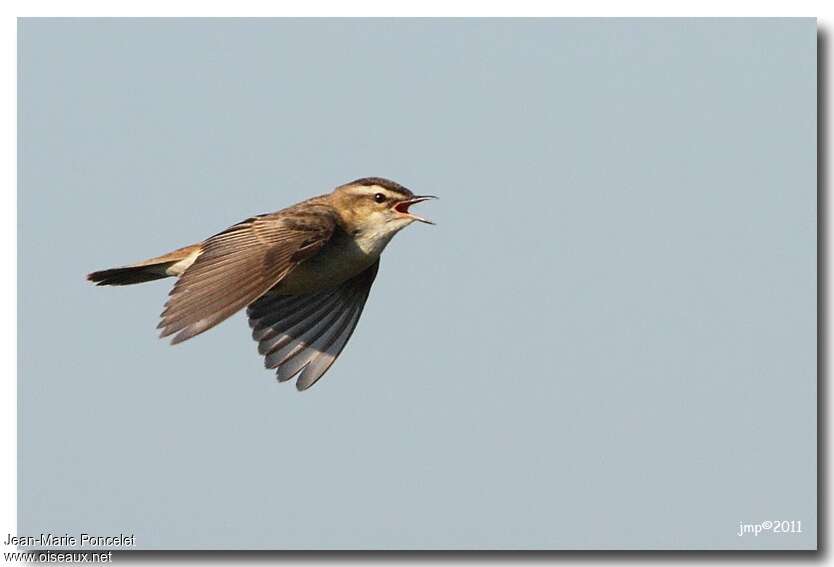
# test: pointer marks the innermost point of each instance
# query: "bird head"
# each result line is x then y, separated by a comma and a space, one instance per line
376, 205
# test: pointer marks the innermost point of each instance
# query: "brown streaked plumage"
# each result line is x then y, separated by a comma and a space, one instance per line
304, 273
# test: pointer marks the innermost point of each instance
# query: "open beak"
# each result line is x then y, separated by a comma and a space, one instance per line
402, 207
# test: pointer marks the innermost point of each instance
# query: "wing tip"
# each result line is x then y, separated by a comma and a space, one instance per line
180, 334
178, 338
287, 377
303, 387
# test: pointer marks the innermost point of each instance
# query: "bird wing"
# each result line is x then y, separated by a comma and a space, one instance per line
238, 265
306, 333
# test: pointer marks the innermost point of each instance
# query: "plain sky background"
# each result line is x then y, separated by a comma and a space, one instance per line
608, 341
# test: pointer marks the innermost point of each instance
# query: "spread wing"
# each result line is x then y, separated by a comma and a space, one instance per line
306, 333
240, 264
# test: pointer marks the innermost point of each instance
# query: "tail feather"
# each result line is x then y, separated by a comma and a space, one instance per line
171, 264
127, 276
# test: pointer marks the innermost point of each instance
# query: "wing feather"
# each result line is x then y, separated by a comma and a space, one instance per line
317, 348
305, 334
296, 339
240, 264
326, 356
291, 327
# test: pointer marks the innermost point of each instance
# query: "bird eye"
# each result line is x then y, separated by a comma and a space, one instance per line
379, 198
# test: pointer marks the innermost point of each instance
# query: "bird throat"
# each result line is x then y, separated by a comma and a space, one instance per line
373, 241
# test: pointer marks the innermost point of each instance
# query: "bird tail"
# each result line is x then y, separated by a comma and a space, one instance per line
169, 265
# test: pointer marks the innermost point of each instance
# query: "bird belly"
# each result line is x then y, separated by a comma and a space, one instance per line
337, 262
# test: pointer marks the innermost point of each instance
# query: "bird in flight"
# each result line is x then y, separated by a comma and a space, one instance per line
303, 273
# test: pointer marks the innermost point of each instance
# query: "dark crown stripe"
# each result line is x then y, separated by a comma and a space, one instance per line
384, 183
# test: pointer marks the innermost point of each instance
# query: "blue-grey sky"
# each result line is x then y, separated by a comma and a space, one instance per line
608, 341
